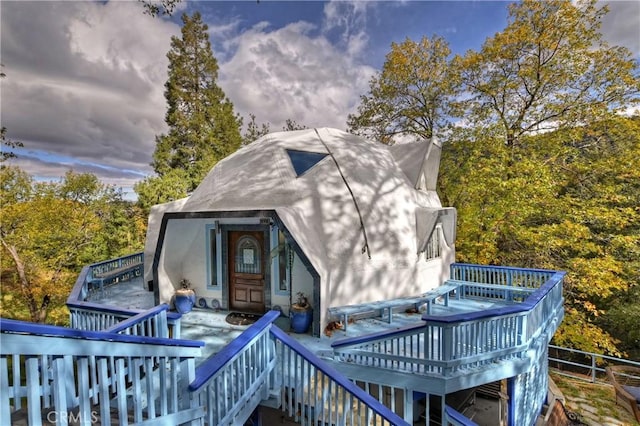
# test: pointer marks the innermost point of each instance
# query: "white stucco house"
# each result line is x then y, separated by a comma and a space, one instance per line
320, 211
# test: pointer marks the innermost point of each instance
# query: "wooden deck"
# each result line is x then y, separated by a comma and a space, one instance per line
490, 330
210, 326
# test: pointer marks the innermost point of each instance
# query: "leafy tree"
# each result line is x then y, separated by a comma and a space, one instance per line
157, 190
564, 200
48, 232
254, 130
291, 125
412, 96
159, 8
598, 199
203, 128
622, 321
548, 68
5, 142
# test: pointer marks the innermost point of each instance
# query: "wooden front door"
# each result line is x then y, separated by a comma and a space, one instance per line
246, 271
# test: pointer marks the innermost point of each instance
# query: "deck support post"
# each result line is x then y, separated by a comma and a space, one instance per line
408, 405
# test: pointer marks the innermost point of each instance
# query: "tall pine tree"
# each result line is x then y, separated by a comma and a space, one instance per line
203, 127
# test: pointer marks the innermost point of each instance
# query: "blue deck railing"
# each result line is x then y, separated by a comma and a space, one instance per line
315, 393
232, 382
502, 275
114, 270
583, 365
97, 276
265, 365
94, 376
445, 345
91, 316
152, 323
454, 418
465, 350
53, 373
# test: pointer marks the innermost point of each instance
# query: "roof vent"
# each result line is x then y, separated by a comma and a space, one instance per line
303, 160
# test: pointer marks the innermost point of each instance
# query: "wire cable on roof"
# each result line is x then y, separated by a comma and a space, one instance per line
365, 247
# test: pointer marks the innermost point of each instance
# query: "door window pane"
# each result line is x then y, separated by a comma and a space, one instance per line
248, 256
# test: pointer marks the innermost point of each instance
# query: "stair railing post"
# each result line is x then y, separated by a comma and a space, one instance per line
447, 348
186, 375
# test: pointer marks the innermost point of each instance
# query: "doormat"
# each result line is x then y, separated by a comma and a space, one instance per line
240, 318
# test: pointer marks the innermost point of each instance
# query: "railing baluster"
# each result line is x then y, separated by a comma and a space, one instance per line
137, 390
149, 374
44, 381
103, 391
122, 391
4, 384
17, 387
173, 380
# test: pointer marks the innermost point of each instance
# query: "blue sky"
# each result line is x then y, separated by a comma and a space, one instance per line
84, 86
384, 21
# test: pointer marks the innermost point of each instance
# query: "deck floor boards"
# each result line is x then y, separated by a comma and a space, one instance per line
210, 326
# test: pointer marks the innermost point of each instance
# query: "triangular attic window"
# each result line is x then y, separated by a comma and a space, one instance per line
303, 160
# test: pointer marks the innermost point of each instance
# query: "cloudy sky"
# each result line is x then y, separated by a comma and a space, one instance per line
84, 85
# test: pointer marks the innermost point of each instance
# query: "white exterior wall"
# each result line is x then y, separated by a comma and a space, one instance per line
387, 278
185, 255
301, 281
433, 272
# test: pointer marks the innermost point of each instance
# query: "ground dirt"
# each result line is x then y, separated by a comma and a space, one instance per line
594, 403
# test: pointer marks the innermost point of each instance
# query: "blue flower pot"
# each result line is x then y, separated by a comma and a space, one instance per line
301, 319
184, 301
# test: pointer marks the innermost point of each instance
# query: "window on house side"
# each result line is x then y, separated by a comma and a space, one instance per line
283, 255
213, 256
432, 250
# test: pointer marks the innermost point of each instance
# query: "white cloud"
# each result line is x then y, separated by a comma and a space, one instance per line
84, 80
286, 73
621, 26
349, 20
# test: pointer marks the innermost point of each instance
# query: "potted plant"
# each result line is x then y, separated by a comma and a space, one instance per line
185, 297
301, 314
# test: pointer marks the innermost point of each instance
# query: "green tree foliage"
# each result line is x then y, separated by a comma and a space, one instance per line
412, 96
48, 232
157, 190
548, 68
565, 200
599, 201
254, 130
292, 125
203, 127
159, 7
6, 144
